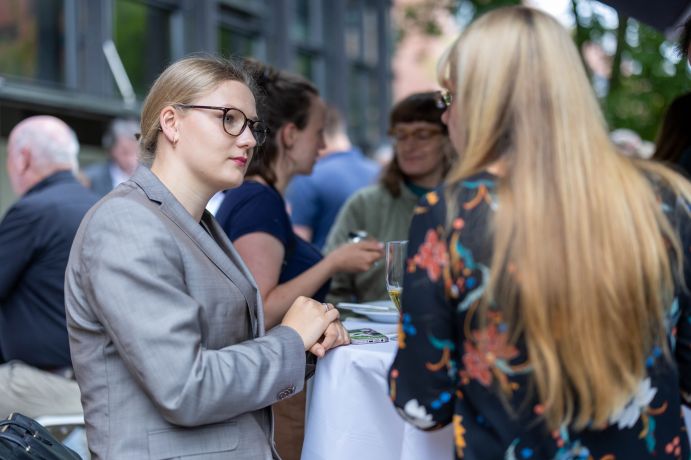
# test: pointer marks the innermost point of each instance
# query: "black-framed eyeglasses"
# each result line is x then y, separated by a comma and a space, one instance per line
235, 121
417, 135
445, 99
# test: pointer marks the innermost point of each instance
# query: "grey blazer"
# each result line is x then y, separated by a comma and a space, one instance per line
167, 334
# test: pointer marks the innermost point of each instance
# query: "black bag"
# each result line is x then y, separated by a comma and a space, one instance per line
23, 438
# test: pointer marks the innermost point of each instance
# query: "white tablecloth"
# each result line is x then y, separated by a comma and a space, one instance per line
350, 415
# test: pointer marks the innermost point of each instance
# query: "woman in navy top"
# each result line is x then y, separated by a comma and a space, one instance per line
545, 308
255, 218
255, 207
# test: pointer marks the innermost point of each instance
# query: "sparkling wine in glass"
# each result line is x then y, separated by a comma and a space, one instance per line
395, 269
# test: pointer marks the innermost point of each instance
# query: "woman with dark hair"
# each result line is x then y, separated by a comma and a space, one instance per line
255, 218
674, 139
422, 156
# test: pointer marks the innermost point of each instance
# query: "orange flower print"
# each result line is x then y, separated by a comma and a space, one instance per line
432, 198
459, 435
432, 255
475, 365
674, 447
487, 347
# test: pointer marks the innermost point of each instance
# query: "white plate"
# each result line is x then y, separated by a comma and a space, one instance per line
375, 305
381, 311
381, 316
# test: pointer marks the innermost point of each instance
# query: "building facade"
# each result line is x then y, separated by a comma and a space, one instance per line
60, 57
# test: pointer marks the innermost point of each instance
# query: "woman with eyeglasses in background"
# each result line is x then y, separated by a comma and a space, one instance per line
255, 218
166, 326
422, 156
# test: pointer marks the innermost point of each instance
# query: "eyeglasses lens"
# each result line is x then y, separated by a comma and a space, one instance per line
235, 122
416, 135
259, 131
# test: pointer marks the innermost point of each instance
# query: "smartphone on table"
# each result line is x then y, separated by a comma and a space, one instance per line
366, 335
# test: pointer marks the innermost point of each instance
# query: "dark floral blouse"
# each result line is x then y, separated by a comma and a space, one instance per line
448, 370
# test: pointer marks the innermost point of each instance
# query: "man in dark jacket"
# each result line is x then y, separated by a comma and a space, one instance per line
35, 239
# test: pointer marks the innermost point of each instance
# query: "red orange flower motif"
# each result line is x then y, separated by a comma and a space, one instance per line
487, 347
475, 364
432, 198
432, 255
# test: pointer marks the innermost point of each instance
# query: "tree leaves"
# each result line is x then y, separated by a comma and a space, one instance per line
645, 72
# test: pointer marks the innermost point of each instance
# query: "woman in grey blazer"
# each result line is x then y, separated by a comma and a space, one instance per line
165, 321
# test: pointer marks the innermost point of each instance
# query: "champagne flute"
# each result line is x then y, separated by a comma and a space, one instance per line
396, 252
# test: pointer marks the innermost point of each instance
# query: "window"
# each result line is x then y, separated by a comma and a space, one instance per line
239, 33
362, 42
302, 27
142, 36
32, 37
308, 37
353, 38
370, 31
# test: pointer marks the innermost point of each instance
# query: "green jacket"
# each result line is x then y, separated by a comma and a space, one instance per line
384, 218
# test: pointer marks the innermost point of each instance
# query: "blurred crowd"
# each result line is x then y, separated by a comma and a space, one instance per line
190, 279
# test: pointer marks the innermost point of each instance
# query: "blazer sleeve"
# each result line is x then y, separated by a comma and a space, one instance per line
133, 277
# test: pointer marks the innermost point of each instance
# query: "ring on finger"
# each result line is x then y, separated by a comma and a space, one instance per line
326, 307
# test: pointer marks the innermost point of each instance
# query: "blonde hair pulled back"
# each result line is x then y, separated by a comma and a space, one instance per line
181, 83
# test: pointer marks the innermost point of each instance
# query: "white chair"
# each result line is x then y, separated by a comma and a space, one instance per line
69, 430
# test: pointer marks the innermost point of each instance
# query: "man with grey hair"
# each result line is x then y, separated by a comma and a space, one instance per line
35, 239
122, 147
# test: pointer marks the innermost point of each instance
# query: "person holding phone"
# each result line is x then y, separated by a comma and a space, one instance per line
423, 155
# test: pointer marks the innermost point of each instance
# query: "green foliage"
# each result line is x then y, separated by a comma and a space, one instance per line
652, 76
129, 36
423, 17
645, 76
483, 6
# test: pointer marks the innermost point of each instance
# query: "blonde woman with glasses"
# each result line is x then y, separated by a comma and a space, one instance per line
166, 325
545, 308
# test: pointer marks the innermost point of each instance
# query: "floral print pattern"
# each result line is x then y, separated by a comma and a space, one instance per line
628, 415
432, 256
454, 366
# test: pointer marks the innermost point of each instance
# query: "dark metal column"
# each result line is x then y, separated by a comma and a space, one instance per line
335, 53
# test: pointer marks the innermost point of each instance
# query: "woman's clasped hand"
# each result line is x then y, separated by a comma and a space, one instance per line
319, 328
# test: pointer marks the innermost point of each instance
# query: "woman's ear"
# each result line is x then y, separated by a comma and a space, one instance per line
168, 119
288, 135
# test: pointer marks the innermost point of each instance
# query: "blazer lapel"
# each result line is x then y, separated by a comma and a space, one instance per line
215, 246
219, 235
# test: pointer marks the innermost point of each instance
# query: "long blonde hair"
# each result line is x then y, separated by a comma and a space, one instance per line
580, 224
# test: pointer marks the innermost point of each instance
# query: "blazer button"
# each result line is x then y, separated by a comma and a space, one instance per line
283, 394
